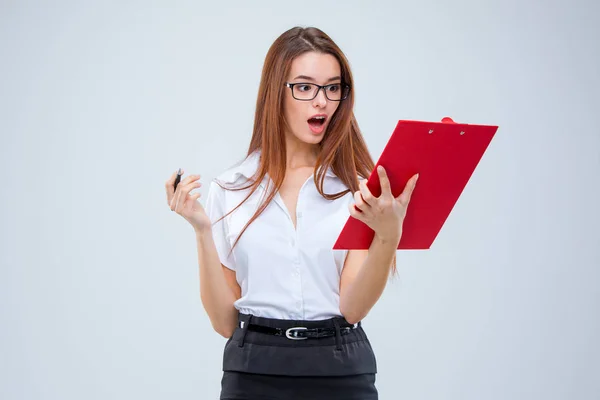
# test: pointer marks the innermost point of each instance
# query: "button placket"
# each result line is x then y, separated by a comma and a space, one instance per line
296, 241
297, 274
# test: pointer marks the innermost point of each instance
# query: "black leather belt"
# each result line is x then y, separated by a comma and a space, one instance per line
300, 332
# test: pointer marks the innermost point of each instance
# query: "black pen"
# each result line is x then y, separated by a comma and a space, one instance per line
177, 179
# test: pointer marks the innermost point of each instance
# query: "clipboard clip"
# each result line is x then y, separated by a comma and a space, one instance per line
448, 120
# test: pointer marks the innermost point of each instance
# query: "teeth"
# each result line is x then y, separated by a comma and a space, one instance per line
320, 117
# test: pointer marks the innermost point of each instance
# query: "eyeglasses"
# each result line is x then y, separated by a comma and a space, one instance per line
308, 91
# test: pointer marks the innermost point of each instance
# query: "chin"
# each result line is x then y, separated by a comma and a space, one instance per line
311, 138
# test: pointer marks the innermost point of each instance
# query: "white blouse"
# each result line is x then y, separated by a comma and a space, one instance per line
283, 272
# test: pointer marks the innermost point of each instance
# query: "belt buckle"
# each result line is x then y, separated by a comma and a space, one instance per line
291, 333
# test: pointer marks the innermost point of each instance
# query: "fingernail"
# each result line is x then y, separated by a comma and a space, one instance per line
379, 168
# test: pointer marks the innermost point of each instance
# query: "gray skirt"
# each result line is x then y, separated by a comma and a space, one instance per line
259, 365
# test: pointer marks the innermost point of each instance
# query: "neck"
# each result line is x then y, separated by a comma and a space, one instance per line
300, 154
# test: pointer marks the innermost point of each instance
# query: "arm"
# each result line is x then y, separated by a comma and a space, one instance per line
218, 286
365, 273
364, 277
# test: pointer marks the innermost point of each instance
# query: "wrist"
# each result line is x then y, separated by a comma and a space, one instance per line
388, 239
201, 232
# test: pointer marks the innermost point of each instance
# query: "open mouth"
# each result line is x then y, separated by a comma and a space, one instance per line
316, 123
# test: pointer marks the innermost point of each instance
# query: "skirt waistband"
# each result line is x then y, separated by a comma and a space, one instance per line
256, 352
289, 323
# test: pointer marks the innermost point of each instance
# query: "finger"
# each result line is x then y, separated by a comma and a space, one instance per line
406, 194
354, 212
189, 179
194, 197
176, 197
366, 194
360, 204
183, 193
386, 188
169, 185
189, 203
177, 201
173, 202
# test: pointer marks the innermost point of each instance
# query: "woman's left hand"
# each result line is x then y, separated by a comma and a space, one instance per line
384, 214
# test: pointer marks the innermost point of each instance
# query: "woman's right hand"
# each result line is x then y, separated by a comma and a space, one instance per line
186, 204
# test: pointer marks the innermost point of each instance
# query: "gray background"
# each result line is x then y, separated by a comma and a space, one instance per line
101, 101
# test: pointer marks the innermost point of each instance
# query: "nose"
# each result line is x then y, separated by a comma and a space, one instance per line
321, 99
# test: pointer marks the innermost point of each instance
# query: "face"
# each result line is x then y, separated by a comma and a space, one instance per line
308, 120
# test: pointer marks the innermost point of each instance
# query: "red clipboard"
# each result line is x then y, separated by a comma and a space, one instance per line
445, 155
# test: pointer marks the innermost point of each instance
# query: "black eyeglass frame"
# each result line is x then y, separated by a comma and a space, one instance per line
344, 86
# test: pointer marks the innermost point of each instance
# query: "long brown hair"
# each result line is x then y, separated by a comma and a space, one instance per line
342, 149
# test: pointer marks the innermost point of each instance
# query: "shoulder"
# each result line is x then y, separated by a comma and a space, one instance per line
220, 194
240, 172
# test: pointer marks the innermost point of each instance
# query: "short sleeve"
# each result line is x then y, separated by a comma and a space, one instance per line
215, 208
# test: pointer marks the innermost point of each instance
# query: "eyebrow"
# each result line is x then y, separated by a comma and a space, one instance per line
335, 78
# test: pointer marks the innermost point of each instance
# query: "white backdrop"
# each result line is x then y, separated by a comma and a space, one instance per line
101, 101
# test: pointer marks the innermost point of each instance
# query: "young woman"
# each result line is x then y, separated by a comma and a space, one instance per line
270, 282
